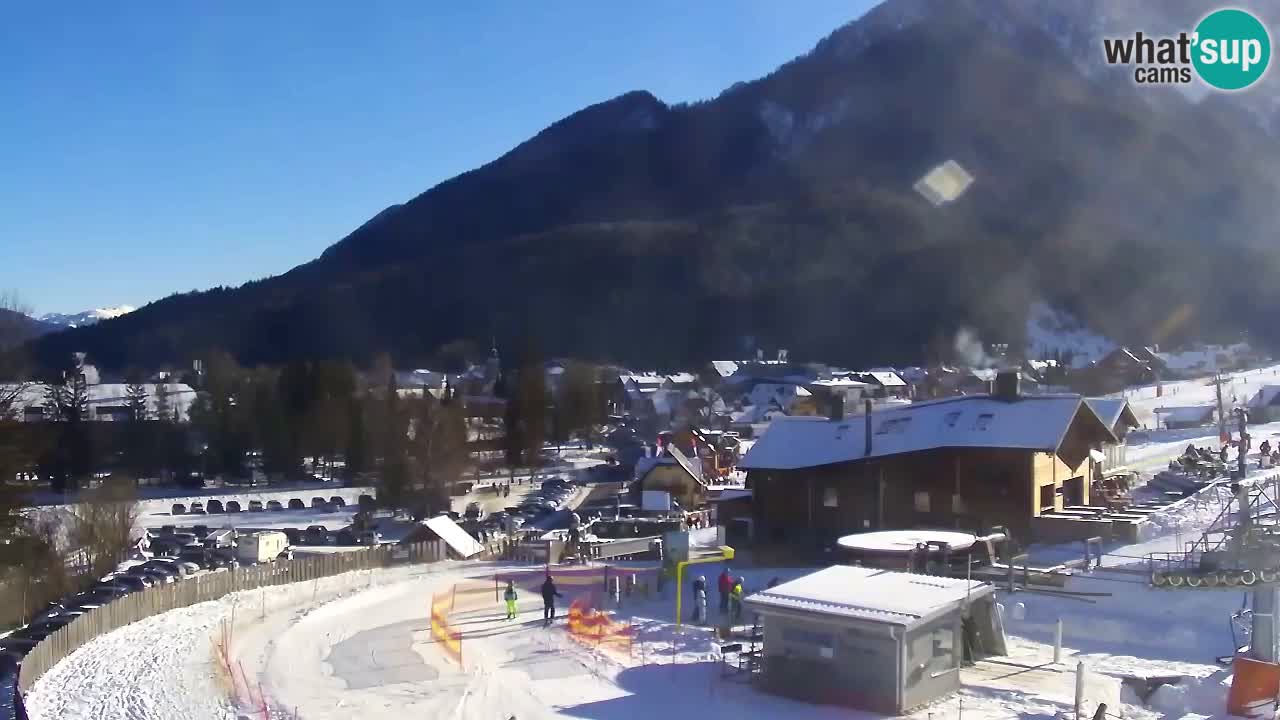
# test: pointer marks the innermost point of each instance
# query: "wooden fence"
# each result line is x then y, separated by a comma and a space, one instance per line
212, 586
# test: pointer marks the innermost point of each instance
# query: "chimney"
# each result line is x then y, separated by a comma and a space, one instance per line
1008, 386
867, 416
837, 406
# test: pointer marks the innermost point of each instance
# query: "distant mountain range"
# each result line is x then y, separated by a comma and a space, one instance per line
88, 317
784, 210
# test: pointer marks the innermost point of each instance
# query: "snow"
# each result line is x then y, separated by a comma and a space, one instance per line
1051, 331
869, 594
901, 541
88, 317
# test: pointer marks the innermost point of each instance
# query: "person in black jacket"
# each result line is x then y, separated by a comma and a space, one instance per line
549, 595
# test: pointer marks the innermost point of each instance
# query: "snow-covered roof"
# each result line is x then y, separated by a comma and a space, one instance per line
840, 382
887, 378
1112, 411
682, 378
870, 594
1033, 422
1189, 360
1266, 395
724, 368
1192, 413
904, 541
458, 540
653, 380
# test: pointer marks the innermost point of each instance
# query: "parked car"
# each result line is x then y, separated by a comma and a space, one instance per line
344, 538
196, 508
178, 509
274, 506
319, 503
295, 536
255, 506
297, 504
369, 538
18, 646
338, 502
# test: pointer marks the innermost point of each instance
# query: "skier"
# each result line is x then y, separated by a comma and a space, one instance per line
511, 597
549, 595
700, 600
724, 584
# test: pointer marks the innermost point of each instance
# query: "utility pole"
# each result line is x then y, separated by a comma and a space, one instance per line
1223, 437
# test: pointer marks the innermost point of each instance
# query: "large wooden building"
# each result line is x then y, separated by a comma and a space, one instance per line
969, 462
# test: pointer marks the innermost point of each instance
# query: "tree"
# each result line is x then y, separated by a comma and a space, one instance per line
165, 411
70, 461
139, 440
102, 523
394, 474
137, 398
440, 451
220, 414
531, 401
581, 402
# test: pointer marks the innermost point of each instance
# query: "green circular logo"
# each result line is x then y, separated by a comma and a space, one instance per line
1231, 49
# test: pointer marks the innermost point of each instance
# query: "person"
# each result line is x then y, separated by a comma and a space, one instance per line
699, 587
700, 601
735, 601
1265, 448
724, 584
511, 597
1222, 455
549, 595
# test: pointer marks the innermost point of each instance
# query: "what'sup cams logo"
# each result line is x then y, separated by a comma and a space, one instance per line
1229, 49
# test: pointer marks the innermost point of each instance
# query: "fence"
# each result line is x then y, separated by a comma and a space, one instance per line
203, 588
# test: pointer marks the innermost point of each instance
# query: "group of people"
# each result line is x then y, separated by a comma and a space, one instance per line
502, 490
549, 595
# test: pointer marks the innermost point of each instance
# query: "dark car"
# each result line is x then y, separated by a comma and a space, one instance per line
274, 506
132, 583
297, 504
255, 506
178, 509
345, 538
18, 646
294, 535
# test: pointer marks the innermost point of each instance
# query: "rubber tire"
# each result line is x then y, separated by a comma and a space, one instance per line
1212, 580
1175, 581
1267, 576
1248, 577
1159, 579
1230, 579
1195, 581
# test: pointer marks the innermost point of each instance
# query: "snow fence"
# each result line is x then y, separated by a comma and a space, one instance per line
212, 586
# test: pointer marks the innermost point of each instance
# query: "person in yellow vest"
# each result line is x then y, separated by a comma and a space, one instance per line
511, 597
735, 602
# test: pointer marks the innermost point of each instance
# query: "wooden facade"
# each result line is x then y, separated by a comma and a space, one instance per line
967, 488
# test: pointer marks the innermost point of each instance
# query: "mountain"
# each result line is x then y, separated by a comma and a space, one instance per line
88, 317
16, 328
784, 210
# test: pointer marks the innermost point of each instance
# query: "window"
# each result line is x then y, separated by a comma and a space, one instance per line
830, 497
983, 421
840, 430
950, 418
922, 501
895, 426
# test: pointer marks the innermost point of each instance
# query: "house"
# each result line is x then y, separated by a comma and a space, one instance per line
675, 473
107, 402
884, 383
1117, 370
1180, 418
968, 462
1264, 406
1118, 416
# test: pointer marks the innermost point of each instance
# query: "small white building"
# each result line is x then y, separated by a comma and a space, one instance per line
873, 639
108, 402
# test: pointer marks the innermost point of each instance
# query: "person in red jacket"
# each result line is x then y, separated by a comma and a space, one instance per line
724, 584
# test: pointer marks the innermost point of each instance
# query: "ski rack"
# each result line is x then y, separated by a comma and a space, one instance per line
1237, 550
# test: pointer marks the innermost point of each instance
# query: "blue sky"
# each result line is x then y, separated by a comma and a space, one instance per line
152, 148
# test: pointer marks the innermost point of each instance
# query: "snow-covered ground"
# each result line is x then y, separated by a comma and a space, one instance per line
357, 645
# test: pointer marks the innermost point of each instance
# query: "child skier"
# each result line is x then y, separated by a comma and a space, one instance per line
511, 597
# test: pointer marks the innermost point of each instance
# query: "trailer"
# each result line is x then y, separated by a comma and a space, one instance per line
259, 547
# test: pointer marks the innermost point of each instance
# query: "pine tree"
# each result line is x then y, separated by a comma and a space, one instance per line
136, 398
165, 410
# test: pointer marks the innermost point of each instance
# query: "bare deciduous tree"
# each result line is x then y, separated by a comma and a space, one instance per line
102, 523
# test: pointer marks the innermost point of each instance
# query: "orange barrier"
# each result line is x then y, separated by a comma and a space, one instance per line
595, 627
441, 631
1254, 688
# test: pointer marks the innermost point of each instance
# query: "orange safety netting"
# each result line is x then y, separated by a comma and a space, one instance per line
441, 631
589, 625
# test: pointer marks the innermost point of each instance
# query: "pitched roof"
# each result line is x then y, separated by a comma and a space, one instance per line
870, 594
1113, 410
1033, 422
724, 368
